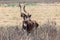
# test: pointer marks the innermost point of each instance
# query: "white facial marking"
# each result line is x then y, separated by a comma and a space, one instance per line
25, 24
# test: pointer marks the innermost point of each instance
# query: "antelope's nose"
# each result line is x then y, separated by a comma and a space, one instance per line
27, 19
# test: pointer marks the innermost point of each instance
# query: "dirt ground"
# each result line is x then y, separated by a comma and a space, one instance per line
39, 12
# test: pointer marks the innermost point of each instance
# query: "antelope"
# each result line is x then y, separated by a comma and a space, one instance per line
28, 24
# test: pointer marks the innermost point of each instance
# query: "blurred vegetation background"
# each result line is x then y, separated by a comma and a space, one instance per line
16, 4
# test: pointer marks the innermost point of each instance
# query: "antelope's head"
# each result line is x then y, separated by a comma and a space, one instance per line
24, 14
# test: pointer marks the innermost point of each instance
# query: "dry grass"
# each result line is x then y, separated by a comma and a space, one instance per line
39, 12
10, 21
47, 31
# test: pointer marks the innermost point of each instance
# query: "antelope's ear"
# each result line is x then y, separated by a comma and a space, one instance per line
29, 15
22, 14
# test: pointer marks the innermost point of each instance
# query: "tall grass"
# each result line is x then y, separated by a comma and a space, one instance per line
47, 31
